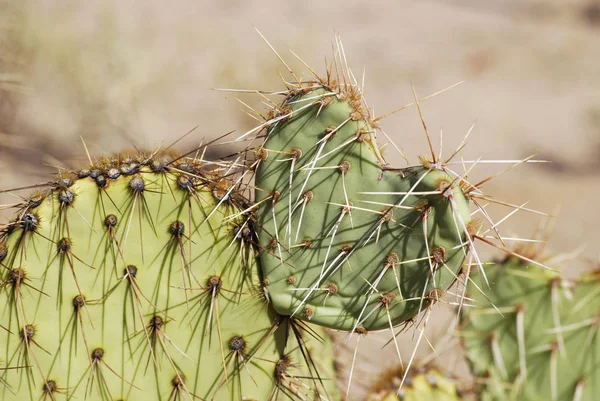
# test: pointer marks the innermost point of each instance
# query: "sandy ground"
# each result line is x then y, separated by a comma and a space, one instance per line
121, 74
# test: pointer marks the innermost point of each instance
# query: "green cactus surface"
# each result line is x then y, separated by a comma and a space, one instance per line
421, 384
545, 345
135, 279
347, 241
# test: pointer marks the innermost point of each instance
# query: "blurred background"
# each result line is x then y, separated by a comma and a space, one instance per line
125, 73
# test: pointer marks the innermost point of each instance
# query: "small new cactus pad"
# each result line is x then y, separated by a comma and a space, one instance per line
421, 384
348, 241
134, 279
545, 345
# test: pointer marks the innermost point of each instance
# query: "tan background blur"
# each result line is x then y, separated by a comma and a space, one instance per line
123, 73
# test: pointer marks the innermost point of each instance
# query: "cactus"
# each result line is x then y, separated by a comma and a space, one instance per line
347, 241
534, 335
137, 275
134, 278
424, 383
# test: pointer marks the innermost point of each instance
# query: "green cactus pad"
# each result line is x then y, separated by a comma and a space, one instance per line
421, 384
133, 280
546, 345
345, 239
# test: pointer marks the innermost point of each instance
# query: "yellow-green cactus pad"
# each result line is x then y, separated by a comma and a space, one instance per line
133, 280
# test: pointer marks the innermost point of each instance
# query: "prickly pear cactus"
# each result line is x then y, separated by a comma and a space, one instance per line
421, 384
349, 242
135, 279
545, 345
